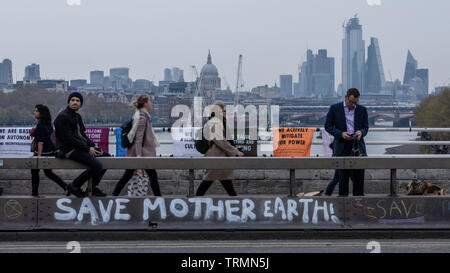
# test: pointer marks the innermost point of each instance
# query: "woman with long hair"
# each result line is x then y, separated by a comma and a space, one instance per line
42, 136
144, 144
215, 132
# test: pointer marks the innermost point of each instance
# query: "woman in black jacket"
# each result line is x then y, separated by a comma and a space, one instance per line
44, 147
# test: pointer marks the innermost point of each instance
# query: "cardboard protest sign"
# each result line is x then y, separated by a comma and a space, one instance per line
15, 141
247, 146
292, 142
99, 136
184, 142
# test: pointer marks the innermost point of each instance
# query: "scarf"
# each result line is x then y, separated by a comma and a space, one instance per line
136, 117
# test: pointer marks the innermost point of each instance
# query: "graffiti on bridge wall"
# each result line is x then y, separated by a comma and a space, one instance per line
103, 211
203, 212
390, 210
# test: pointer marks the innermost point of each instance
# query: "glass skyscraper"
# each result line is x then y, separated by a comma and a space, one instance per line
286, 85
374, 78
167, 75
317, 75
32, 73
97, 78
353, 56
410, 68
6, 72
412, 72
120, 78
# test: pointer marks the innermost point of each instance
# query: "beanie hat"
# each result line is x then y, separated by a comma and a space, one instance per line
75, 94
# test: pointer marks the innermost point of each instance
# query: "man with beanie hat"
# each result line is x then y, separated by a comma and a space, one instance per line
73, 143
77, 95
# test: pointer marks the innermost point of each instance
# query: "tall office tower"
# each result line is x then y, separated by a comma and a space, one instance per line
374, 78
32, 73
322, 74
412, 72
297, 89
120, 78
302, 79
6, 72
97, 78
424, 75
410, 68
177, 73
317, 75
353, 56
286, 86
167, 75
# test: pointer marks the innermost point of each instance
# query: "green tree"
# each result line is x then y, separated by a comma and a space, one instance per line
434, 112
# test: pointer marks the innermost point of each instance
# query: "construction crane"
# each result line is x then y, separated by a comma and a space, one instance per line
196, 80
153, 79
226, 83
239, 83
393, 85
446, 82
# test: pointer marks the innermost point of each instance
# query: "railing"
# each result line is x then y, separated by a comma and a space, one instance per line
391, 163
387, 129
406, 130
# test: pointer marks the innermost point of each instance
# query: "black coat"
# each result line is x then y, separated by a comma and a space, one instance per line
42, 134
336, 125
67, 138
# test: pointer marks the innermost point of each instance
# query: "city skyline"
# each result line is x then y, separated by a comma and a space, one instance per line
270, 48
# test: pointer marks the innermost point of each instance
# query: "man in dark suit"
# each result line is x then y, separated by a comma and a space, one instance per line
348, 121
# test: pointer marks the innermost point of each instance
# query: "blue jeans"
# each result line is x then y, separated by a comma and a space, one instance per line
332, 184
95, 168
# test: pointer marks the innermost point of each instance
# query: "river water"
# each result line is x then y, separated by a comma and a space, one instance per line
316, 150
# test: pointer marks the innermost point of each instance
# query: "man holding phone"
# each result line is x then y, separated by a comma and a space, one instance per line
348, 121
74, 144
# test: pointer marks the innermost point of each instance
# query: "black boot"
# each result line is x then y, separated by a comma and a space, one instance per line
76, 191
97, 192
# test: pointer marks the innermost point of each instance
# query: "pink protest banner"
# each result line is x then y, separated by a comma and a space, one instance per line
100, 136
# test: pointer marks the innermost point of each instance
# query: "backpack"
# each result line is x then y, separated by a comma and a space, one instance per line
202, 145
53, 139
126, 128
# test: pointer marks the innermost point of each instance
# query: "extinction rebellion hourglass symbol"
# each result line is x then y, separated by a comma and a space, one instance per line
13, 209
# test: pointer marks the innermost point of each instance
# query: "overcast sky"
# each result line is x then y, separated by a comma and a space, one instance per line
273, 35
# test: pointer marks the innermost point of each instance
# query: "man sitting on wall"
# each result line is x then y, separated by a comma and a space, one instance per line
73, 143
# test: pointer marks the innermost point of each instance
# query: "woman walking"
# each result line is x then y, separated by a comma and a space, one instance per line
215, 132
144, 144
44, 147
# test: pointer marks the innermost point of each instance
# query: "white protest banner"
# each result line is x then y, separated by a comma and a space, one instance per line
327, 139
15, 142
184, 142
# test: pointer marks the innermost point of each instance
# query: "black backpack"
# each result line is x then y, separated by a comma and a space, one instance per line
202, 145
126, 128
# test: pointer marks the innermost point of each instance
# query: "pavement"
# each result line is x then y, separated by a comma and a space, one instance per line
233, 246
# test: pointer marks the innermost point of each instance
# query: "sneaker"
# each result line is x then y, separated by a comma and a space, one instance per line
97, 192
76, 191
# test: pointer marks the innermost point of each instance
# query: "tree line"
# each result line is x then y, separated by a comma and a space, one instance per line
434, 112
17, 108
